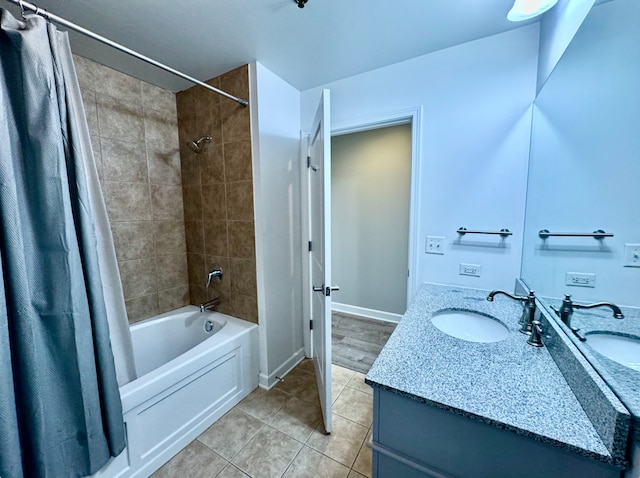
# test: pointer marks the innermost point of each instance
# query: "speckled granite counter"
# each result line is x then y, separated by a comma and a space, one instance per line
508, 384
625, 382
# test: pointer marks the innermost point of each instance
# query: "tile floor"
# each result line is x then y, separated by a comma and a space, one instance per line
279, 433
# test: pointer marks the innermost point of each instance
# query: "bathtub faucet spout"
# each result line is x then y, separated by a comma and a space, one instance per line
210, 304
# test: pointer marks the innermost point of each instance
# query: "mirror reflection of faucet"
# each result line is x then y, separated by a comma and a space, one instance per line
565, 312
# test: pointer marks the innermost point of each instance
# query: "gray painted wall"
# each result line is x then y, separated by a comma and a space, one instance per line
371, 179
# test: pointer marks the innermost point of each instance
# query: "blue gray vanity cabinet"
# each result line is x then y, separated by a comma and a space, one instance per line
445, 407
412, 439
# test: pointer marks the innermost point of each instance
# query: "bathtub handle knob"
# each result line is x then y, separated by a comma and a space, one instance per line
215, 273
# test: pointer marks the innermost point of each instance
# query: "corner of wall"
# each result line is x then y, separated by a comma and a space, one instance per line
557, 29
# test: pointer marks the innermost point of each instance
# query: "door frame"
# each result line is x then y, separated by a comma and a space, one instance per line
412, 116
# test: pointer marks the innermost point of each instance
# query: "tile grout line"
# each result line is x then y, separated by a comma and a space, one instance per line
294, 459
303, 443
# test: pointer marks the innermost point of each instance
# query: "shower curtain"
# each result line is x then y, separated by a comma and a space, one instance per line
60, 409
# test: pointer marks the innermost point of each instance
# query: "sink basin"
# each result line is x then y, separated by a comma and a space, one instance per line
619, 348
470, 326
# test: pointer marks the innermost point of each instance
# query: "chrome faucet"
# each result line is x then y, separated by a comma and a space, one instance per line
566, 309
210, 304
529, 312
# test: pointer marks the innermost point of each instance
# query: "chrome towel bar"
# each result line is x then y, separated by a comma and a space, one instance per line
502, 232
598, 234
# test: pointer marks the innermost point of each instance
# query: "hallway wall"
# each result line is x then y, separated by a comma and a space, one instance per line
370, 193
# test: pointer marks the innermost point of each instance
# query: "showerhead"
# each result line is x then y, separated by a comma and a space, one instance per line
197, 146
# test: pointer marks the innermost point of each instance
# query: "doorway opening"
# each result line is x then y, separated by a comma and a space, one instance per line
371, 183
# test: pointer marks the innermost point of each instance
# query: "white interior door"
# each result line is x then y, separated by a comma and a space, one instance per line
319, 171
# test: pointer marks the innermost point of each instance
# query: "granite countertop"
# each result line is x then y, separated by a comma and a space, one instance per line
624, 381
509, 383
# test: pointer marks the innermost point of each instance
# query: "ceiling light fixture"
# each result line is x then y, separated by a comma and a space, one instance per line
526, 9
300, 3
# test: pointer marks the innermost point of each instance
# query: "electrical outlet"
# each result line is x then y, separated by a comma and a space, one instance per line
470, 270
632, 255
580, 279
435, 245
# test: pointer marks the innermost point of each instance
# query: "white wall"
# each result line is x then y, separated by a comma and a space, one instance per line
584, 160
276, 160
557, 28
370, 192
476, 100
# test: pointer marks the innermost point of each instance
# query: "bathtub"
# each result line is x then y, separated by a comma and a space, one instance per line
188, 378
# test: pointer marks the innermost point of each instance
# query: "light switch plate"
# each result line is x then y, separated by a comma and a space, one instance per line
632, 255
434, 245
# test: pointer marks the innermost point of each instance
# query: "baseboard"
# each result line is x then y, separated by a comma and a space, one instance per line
364, 312
269, 381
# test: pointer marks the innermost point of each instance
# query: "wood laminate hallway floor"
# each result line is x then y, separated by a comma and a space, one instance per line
357, 341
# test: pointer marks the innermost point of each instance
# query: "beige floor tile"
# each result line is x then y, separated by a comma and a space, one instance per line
306, 366
261, 403
310, 394
231, 433
231, 471
194, 461
268, 454
340, 375
343, 444
355, 405
363, 461
300, 384
311, 464
355, 474
357, 382
336, 390
296, 419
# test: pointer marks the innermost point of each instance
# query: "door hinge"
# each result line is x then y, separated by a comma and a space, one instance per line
310, 246
311, 325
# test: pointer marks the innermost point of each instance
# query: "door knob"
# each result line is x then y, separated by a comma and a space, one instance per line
318, 289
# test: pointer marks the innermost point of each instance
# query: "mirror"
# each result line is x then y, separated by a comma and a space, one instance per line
584, 172
584, 175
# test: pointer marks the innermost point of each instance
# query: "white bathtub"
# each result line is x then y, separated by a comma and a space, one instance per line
188, 378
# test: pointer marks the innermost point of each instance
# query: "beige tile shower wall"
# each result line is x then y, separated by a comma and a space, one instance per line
218, 194
134, 132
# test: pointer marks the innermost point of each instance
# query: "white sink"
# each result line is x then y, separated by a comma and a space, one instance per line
470, 326
621, 349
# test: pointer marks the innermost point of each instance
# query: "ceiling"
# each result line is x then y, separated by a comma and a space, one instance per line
326, 41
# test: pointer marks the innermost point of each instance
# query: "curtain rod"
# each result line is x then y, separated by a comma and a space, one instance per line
50, 16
